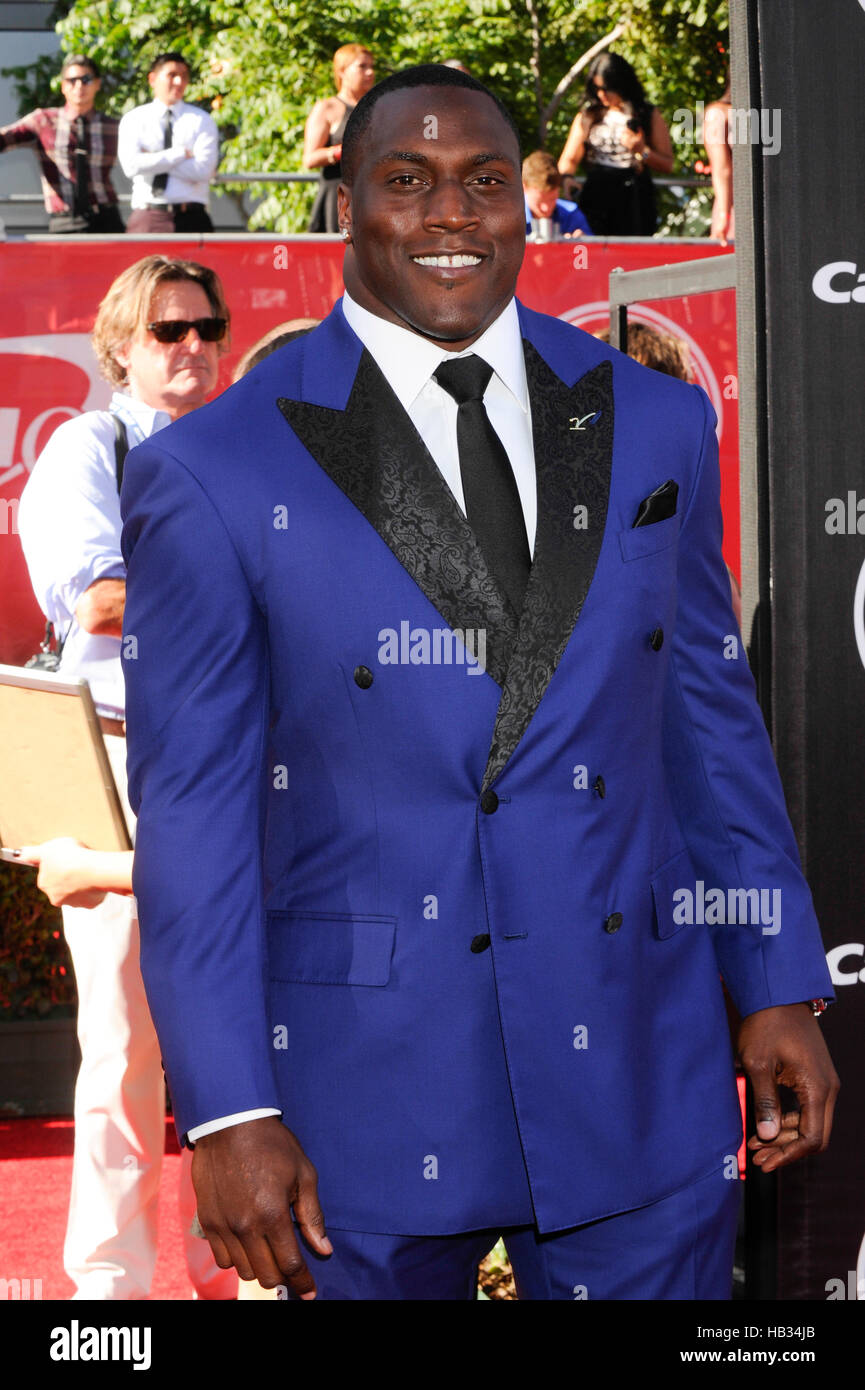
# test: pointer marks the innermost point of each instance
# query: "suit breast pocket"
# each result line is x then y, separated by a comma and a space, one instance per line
640, 541
321, 948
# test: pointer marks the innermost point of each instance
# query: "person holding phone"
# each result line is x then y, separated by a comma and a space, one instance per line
621, 138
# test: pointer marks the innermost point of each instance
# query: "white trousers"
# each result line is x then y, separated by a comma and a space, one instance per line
110, 1248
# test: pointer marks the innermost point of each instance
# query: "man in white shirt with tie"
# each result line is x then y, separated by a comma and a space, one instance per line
409, 364
170, 151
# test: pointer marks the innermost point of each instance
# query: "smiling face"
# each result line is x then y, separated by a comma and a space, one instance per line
176, 377
437, 225
79, 88
169, 82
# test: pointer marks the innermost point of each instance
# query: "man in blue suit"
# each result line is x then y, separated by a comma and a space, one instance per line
454, 801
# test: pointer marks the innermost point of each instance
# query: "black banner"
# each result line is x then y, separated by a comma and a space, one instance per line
800, 212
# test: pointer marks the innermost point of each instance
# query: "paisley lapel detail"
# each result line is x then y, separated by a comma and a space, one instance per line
374, 454
573, 473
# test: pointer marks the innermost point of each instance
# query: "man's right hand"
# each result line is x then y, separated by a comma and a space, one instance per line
246, 1178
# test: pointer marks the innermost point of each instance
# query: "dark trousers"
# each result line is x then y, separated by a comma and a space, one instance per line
171, 218
680, 1248
105, 219
619, 202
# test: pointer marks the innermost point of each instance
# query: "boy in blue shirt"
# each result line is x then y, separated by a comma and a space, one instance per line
541, 184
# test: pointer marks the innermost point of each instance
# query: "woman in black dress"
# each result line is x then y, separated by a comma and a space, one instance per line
353, 75
620, 137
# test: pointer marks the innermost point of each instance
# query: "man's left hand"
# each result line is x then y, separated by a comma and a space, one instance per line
784, 1046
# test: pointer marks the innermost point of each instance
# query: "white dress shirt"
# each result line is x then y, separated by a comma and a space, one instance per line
69, 524
408, 362
141, 153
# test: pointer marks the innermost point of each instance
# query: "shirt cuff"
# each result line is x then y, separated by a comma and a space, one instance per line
211, 1126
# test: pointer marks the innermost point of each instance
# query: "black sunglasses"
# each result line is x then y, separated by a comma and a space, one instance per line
175, 330
85, 81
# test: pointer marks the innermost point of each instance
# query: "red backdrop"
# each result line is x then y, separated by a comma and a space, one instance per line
48, 371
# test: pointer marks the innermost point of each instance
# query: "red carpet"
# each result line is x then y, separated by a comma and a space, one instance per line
35, 1174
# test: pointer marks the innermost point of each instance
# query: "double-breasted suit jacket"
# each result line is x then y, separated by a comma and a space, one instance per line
439, 915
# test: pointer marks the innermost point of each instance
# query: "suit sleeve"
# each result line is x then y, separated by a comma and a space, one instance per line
196, 666
725, 786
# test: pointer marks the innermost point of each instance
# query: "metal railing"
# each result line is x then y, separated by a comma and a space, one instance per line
665, 282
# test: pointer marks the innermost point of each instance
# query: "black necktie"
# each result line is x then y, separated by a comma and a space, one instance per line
81, 206
160, 181
493, 508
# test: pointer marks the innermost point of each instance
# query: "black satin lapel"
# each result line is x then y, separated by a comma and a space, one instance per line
572, 431
373, 453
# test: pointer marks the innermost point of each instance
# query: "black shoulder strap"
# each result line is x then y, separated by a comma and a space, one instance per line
121, 448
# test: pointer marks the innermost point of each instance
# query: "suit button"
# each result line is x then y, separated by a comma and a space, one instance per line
657, 639
489, 803
480, 943
613, 922
363, 677
600, 786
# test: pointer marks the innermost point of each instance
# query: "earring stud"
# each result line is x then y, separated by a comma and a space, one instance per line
345, 233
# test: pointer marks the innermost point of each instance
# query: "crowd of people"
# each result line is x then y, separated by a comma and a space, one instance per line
170, 151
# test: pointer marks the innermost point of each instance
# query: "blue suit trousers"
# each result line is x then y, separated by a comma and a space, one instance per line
680, 1248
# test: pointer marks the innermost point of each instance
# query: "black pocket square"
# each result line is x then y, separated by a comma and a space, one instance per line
658, 505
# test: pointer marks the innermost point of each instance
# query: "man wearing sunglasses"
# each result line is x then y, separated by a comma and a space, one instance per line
158, 336
77, 147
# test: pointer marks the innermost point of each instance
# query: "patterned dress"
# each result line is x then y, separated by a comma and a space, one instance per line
618, 197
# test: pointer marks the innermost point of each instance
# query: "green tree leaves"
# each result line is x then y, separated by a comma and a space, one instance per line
259, 65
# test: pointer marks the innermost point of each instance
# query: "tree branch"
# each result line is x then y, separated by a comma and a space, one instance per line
556, 100
535, 66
